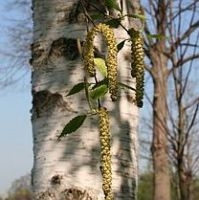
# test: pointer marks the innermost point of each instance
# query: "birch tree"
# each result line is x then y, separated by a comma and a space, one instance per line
70, 168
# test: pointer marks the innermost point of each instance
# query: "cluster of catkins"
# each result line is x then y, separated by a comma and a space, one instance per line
104, 126
137, 72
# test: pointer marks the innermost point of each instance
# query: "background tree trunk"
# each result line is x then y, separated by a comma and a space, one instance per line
70, 168
159, 73
160, 141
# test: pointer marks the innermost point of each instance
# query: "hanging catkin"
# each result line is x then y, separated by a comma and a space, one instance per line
137, 64
111, 60
104, 129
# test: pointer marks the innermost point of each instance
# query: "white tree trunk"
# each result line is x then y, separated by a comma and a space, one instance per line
70, 168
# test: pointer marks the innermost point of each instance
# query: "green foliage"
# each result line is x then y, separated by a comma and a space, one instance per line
114, 23
76, 88
101, 66
138, 16
99, 91
120, 45
195, 192
97, 16
156, 36
112, 4
73, 125
145, 187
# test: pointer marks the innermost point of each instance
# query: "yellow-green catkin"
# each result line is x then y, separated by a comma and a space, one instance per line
137, 64
104, 128
111, 60
88, 53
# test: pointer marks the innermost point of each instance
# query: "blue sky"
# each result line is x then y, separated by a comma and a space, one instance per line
16, 139
16, 155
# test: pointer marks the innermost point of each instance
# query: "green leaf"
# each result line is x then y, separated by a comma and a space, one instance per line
114, 23
101, 66
73, 125
97, 16
120, 45
102, 82
112, 4
99, 91
76, 88
156, 36
138, 16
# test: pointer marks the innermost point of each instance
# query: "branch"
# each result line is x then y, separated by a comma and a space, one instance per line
193, 102
190, 45
192, 121
187, 59
188, 7
195, 165
185, 35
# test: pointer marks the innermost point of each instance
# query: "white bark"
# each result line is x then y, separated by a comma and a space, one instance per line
72, 166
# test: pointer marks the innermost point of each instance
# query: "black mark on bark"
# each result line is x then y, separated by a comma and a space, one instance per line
76, 194
44, 102
66, 47
56, 180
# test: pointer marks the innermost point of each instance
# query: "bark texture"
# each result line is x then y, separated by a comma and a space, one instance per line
159, 144
160, 74
70, 168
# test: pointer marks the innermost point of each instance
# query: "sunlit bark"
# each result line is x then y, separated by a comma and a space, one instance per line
70, 168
